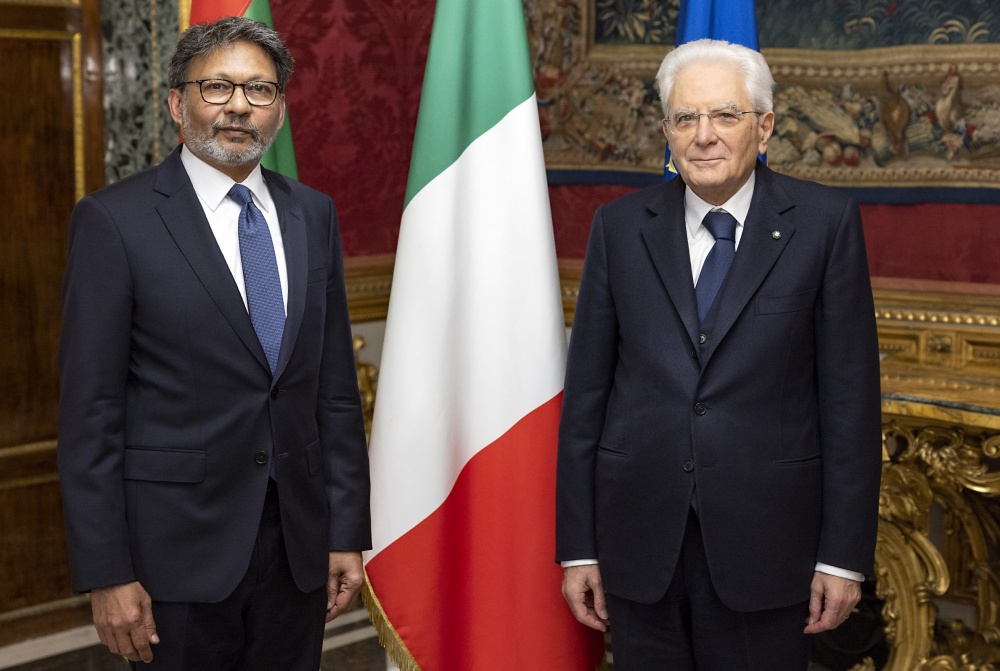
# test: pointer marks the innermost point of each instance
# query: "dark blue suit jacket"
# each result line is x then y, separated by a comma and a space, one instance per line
770, 422
167, 398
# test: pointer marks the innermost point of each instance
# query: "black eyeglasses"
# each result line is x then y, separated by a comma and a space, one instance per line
220, 91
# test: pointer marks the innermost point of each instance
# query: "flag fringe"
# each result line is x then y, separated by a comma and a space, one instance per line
389, 638
387, 634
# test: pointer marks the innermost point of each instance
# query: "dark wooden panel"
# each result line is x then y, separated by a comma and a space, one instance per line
33, 567
28, 17
51, 132
38, 188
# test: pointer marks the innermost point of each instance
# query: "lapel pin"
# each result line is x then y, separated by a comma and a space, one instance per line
776, 235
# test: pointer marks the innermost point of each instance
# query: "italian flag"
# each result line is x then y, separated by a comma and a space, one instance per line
463, 448
281, 156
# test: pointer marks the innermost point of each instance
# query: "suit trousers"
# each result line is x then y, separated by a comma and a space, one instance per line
266, 624
690, 629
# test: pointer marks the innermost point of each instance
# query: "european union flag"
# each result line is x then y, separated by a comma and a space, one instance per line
730, 20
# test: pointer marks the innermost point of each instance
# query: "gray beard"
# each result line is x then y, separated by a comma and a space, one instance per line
209, 146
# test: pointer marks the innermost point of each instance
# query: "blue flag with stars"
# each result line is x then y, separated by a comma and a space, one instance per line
730, 20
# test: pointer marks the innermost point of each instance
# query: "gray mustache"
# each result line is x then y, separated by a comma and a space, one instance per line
235, 121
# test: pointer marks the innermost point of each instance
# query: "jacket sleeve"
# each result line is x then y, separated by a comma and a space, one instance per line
341, 424
93, 369
847, 370
590, 372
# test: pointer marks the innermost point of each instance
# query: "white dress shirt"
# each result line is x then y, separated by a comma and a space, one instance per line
223, 213
700, 243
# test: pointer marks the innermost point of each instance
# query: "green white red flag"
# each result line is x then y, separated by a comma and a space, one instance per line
463, 449
281, 156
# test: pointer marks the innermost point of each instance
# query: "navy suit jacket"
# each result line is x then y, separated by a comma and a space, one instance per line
168, 404
767, 416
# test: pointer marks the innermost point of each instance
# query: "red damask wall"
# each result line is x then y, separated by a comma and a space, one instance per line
354, 99
353, 104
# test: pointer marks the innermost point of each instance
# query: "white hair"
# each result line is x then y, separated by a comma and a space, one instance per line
756, 73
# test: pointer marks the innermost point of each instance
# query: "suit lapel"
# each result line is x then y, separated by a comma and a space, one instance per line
666, 240
184, 217
293, 237
758, 251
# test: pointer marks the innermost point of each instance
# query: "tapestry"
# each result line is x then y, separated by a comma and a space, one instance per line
871, 93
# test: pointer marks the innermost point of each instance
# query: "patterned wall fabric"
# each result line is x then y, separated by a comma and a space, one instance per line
819, 24
353, 101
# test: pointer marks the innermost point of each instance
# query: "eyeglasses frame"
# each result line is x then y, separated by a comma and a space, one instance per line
670, 125
200, 82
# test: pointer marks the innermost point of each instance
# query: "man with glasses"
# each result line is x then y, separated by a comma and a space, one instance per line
211, 444
719, 454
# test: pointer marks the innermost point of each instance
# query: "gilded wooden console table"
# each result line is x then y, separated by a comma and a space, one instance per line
937, 562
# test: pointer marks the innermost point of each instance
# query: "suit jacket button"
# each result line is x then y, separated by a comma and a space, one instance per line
702, 338
261, 457
274, 393
688, 466
700, 409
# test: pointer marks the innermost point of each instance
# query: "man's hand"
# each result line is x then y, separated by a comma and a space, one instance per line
347, 575
831, 601
584, 593
123, 615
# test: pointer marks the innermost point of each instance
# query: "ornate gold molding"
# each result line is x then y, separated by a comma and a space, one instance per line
368, 281
367, 381
928, 468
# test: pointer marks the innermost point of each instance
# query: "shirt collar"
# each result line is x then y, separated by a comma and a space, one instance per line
212, 185
738, 206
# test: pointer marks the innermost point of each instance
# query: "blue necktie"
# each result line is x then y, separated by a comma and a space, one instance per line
722, 226
260, 274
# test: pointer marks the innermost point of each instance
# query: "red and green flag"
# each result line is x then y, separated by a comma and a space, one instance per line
281, 156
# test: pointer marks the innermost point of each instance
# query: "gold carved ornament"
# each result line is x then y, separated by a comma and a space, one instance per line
923, 467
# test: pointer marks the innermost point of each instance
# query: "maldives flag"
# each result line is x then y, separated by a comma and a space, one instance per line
463, 448
281, 156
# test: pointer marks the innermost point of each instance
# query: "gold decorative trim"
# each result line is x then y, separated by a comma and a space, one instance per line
387, 634
367, 383
16, 34
570, 271
76, 45
389, 638
184, 14
368, 281
935, 316
78, 140
42, 3
947, 468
